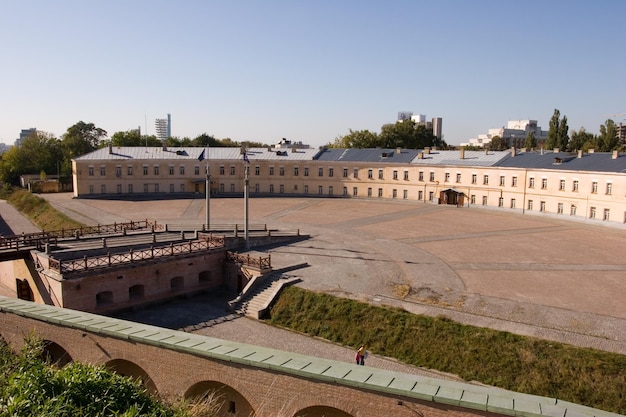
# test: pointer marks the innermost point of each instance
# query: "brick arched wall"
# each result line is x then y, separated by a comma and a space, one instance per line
321, 411
55, 353
130, 369
232, 402
266, 381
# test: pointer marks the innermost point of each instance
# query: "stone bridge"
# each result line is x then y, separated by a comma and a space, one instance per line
253, 380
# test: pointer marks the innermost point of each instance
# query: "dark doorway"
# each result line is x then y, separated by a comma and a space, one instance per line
451, 196
23, 290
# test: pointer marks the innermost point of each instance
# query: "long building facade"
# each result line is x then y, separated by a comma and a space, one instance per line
583, 186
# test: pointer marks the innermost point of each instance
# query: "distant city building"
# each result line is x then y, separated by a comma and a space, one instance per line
287, 144
437, 127
420, 119
163, 128
404, 115
513, 135
621, 132
24, 134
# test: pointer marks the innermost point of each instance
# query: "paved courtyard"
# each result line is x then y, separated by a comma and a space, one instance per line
533, 275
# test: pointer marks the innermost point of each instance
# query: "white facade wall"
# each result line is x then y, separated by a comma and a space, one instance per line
581, 195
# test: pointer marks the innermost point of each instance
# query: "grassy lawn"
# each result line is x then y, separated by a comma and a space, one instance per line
584, 376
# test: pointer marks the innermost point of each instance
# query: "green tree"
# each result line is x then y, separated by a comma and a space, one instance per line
134, 138
582, 140
38, 153
531, 141
562, 138
205, 140
497, 144
406, 134
608, 139
357, 139
81, 138
558, 135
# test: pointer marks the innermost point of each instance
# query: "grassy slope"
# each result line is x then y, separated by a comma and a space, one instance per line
584, 376
39, 211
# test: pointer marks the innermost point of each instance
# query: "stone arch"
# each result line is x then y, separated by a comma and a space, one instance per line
205, 277
104, 298
55, 354
136, 292
322, 411
231, 401
177, 283
131, 369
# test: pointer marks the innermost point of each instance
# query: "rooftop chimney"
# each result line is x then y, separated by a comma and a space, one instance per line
513, 151
591, 150
110, 149
615, 154
462, 152
420, 155
398, 150
580, 153
427, 151
556, 150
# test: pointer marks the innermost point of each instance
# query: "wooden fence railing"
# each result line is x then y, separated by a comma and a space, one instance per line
260, 262
39, 239
135, 255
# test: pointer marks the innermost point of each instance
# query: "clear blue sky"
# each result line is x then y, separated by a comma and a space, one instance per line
308, 70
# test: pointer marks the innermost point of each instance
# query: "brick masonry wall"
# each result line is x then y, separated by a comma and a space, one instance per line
269, 393
79, 291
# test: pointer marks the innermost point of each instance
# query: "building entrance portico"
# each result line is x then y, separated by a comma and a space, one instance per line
451, 196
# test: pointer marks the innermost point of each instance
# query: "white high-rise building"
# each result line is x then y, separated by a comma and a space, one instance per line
163, 128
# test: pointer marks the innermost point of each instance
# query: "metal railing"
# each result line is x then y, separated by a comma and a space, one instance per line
134, 255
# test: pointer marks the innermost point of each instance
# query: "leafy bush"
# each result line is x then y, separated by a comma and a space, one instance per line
31, 387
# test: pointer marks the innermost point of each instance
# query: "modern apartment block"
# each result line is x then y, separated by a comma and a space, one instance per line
24, 133
589, 186
514, 134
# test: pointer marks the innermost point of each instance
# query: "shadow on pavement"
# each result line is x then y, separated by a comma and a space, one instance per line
185, 313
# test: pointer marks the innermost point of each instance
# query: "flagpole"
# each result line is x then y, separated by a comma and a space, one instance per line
207, 194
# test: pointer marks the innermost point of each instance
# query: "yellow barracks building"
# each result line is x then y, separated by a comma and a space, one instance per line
584, 186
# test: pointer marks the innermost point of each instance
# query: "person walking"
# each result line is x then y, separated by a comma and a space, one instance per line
360, 355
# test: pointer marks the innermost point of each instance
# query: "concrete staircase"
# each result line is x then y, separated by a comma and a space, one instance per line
259, 300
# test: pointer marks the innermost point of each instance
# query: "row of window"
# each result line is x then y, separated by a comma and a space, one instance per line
370, 175
154, 187
155, 170
542, 207
355, 193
